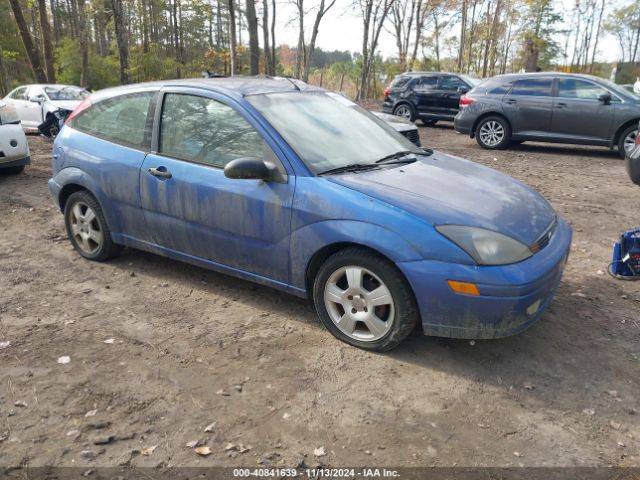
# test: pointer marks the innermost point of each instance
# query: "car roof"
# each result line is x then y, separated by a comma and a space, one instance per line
547, 74
429, 73
236, 86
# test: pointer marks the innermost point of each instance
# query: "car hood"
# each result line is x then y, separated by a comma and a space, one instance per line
65, 104
442, 189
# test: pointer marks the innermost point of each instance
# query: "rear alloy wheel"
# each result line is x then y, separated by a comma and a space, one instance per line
363, 300
493, 133
627, 140
87, 228
405, 111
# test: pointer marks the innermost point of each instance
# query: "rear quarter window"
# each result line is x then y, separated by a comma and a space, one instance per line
399, 82
125, 119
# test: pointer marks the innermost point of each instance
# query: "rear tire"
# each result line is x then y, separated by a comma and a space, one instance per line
493, 133
12, 170
87, 228
429, 123
627, 137
405, 110
364, 300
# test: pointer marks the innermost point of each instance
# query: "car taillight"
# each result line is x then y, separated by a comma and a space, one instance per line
466, 101
638, 137
387, 92
86, 103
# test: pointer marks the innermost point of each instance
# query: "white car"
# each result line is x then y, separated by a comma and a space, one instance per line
14, 149
34, 103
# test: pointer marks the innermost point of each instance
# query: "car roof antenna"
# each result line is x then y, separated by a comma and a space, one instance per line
293, 83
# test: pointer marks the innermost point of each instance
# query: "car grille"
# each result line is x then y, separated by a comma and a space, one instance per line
545, 238
412, 135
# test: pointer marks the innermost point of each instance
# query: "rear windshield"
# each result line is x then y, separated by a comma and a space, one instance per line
399, 82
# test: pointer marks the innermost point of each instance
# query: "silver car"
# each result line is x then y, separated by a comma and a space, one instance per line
34, 103
549, 107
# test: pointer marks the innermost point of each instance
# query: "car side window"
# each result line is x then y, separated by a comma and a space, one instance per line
579, 89
532, 87
34, 92
125, 119
19, 93
427, 83
203, 130
452, 83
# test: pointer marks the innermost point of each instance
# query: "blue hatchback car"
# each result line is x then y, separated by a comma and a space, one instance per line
297, 188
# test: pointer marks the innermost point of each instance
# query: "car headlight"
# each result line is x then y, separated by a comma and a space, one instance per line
484, 246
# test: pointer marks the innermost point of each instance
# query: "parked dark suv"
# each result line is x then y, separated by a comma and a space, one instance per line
429, 96
549, 107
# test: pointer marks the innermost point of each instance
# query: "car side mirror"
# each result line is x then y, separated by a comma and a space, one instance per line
37, 99
605, 98
250, 168
463, 90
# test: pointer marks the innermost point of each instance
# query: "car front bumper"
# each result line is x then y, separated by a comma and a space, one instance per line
512, 297
632, 162
14, 149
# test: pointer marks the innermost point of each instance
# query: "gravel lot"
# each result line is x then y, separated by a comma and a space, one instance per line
193, 349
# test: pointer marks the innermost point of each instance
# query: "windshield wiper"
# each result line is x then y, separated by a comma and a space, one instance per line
394, 157
352, 167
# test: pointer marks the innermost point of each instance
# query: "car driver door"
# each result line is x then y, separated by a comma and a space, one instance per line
192, 208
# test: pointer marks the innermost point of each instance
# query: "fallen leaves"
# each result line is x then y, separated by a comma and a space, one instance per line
319, 452
5, 344
210, 427
148, 450
203, 451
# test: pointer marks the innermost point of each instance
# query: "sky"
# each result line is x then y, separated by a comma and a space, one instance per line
341, 29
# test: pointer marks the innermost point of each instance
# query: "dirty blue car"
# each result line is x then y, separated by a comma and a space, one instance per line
299, 189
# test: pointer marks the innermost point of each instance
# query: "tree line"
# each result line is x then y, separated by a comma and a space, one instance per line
98, 43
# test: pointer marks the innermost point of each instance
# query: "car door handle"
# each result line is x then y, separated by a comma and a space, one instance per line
561, 105
511, 101
161, 172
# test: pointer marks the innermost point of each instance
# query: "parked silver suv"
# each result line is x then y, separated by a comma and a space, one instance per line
549, 107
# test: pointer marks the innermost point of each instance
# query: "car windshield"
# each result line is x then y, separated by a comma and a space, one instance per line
623, 92
328, 131
66, 93
471, 80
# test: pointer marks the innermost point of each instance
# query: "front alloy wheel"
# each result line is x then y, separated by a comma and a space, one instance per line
627, 140
364, 300
359, 303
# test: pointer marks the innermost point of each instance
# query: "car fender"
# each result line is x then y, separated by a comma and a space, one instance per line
76, 176
310, 239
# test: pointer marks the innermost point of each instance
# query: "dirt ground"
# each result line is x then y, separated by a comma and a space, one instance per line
192, 349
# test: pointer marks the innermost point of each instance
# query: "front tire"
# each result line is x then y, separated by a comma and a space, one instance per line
429, 123
364, 300
493, 133
405, 110
87, 228
627, 139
